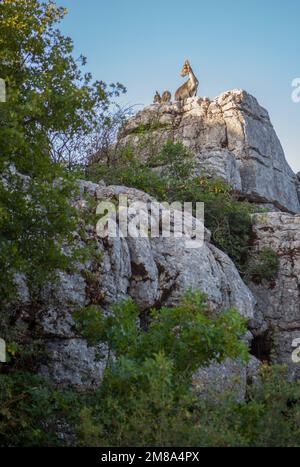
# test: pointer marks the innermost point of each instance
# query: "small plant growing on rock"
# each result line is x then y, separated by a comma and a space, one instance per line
262, 266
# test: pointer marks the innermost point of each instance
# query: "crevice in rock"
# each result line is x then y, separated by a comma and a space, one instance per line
145, 318
257, 199
225, 142
261, 346
138, 270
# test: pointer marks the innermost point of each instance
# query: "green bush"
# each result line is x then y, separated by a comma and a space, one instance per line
146, 398
146, 393
268, 418
263, 265
32, 412
188, 334
146, 385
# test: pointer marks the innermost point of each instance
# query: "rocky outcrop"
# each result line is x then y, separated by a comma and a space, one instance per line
279, 300
230, 136
153, 271
157, 271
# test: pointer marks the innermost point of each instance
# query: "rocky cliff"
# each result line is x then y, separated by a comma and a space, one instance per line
153, 271
231, 137
279, 301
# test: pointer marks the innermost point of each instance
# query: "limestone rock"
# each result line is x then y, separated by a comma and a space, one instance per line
153, 271
161, 270
220, 163
230, 136
278, 301
231, 376
72, 363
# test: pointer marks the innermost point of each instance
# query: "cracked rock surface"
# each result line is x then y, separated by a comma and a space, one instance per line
153, 271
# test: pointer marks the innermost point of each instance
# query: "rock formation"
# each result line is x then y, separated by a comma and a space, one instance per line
231, 137
279, 301
153, 271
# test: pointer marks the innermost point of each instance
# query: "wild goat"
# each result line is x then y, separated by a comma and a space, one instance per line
164, 99
157, 98
190, 88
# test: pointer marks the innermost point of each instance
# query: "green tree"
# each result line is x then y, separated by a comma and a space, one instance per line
50, 98
50, 103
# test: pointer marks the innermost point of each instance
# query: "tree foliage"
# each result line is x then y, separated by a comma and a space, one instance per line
51, 100
263, 265
147, 397
51, 103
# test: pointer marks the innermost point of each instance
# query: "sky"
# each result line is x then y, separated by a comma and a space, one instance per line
252, 45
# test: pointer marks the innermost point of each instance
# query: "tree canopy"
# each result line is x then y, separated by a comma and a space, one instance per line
50, 99
50, 102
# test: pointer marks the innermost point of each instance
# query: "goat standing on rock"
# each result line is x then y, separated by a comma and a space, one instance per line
157, 98
164, 99
190, 88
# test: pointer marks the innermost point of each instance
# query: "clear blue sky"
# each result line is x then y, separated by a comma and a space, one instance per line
249, 44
